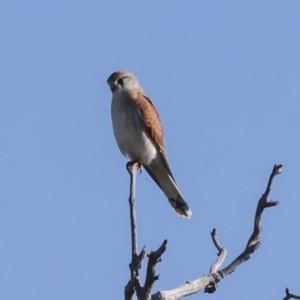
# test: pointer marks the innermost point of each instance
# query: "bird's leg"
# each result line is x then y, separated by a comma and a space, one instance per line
136, 164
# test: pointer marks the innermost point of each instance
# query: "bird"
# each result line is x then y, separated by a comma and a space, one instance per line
139, 134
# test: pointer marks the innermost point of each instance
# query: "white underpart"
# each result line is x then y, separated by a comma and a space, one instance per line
129, 130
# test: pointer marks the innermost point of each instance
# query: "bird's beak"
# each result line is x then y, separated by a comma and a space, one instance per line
113, 86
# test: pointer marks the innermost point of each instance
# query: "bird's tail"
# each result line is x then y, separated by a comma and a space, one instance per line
162, 175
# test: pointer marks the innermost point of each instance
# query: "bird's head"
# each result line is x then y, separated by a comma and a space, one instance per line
123, 80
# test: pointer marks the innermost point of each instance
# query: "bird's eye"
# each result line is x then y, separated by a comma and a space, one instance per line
120, 81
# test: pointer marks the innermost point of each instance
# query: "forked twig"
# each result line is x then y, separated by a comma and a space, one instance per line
290, 295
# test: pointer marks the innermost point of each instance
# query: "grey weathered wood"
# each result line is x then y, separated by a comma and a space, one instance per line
207, 283
221, 254
136, 260
154, 257
253, 242
133, 286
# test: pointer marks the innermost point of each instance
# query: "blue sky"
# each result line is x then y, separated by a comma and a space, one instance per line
225, 78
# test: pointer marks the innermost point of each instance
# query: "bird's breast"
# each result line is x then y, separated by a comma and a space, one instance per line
130, 130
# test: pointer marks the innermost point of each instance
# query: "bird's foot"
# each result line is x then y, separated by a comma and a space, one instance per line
134, 164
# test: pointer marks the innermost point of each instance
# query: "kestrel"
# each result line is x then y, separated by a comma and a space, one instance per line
139, 135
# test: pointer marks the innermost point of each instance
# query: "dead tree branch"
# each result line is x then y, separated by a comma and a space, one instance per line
254, 242
134, 241
136, 260
289, 295
209, 282
134, 286
221, 255
151, 275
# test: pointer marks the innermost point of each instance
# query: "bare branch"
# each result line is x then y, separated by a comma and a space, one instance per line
134, 283
253, 242
221, 255
132, 168
189, 288
208, 283
136, 260
151, 276
134, 286
289, 295
262, 204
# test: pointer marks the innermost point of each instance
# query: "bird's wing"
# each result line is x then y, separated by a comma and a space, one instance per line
154, 127
152, 119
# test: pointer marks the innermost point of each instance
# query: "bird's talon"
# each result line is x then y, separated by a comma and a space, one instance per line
132, 164
128, 166
139, 167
